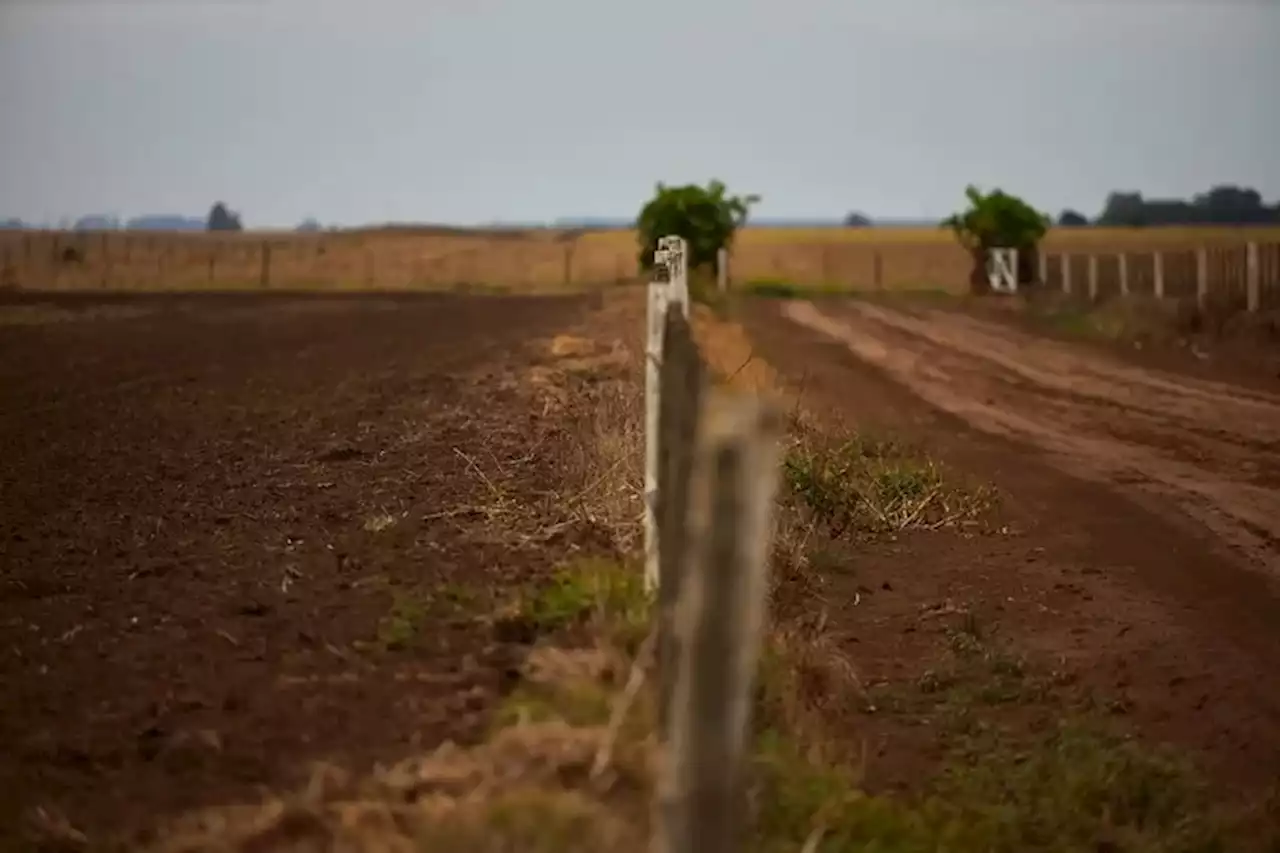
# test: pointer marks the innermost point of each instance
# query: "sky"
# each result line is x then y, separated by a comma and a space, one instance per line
473, 111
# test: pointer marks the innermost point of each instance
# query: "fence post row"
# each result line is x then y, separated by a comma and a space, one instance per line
711, 473
1253, 275
670, 285
1252, 285
681, 382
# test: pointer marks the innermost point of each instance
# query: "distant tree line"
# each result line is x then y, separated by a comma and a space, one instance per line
220, 218
1225, 204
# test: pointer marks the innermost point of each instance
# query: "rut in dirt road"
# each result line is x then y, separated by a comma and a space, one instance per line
1213, 448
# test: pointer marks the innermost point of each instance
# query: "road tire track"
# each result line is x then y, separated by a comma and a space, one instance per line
1208, 447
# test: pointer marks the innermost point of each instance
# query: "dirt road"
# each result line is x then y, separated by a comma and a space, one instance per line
1142, 553
1210, 448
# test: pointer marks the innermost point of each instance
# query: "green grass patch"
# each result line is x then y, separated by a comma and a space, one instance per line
402, 626
604, 593
1076, 788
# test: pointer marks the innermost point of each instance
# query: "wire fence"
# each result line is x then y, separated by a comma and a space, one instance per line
1236, 271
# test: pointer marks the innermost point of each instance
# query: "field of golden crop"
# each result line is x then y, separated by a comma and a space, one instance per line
423, 258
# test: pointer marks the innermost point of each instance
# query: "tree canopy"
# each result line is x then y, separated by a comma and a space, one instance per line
997, 219
1225, 204
706, 217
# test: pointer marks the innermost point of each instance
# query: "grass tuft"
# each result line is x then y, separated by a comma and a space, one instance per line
868, 485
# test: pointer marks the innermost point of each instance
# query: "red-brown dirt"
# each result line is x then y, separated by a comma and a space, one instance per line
236, 537
1140, 550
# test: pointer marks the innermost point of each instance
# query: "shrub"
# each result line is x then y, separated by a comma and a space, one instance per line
998, 220
706, 217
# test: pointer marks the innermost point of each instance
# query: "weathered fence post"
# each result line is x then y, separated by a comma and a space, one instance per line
681, 380
1043, 271
1066, 273
1252, 289
669, 285
720, 620
1093, 277
1202, 276
722, 269
1123, 261
1157, 272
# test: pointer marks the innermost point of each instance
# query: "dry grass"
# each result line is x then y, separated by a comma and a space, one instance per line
531, 261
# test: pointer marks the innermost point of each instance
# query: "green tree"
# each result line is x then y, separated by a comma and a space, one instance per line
706, 217
998, 220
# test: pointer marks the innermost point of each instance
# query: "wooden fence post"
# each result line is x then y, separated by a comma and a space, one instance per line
1093, 277
1043, 271
720, 621
1157, 272
670, 284
1066, 273
568, 263
264, 275
1253, 295
1123, 261
722, 269
681, 380
1202, 277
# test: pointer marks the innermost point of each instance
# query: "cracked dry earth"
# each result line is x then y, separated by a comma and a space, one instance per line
1142, 547
241, 534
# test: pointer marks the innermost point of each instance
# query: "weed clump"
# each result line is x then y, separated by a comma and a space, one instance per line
869, 485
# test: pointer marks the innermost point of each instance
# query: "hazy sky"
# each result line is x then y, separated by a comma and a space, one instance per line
474, 110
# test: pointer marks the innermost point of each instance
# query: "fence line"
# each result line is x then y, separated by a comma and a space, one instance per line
127, 261
1234, 270
715, 470
1236, 278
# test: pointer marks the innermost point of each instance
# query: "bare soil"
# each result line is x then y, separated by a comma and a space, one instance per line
241, 535
1138, 554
